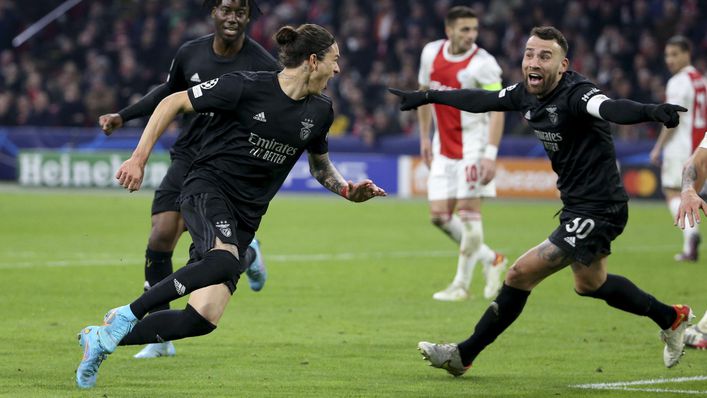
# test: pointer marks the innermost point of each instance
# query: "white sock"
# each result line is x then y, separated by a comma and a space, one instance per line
702, 324
471, 240
453, 227
688, 232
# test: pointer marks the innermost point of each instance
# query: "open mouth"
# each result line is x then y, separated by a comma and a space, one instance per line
534, 78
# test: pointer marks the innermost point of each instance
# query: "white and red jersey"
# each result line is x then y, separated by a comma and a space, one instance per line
458, 134
687, 88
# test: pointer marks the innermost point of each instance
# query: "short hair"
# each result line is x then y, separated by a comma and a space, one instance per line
296, 45
681, 42
251, 4
458, 12
551, 33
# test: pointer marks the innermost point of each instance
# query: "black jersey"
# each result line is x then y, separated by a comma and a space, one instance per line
195, 63
256, 135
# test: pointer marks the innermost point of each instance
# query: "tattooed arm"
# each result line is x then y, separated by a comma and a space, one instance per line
693, 176
323, 170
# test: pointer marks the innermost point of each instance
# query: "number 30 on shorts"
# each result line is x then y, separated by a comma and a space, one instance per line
580, 227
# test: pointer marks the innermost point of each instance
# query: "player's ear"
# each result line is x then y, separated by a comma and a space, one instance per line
564, 65
313, 62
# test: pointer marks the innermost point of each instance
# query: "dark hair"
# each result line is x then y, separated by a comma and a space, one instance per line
296, 45
682, 42
251, 4
458, 12
551, 33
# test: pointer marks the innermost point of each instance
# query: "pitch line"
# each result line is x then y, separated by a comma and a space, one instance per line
279, 258
634, 385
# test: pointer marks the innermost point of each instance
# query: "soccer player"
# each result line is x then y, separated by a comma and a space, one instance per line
570, 116
687, 88
693, 177
262, 123
462, 157
226, 50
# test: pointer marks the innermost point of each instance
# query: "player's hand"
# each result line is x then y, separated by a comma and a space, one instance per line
426, 151
362, 191
130, 174
410, 99
690, 205
488, 170
667, 114
110, 122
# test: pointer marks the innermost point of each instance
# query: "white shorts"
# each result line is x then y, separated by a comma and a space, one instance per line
457, 179
671, 173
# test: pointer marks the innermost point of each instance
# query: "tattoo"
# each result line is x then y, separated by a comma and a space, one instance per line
323, 170
553, 254
689, 175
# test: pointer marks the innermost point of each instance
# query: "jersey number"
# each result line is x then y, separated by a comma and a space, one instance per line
580, 228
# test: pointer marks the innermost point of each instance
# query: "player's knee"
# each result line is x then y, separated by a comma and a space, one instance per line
440, 220
196, 324
225, 263
586, 288
518, 277
163, 234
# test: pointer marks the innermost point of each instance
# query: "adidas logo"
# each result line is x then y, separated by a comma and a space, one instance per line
180, 288
195, 78
570, 240
260, 117
527, 117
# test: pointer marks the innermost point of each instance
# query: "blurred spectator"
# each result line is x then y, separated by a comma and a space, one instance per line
102, 55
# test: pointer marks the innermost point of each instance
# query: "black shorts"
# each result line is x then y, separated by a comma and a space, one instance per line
587, 236
208, 216
168, 192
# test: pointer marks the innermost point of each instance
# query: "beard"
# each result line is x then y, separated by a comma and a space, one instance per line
547, 85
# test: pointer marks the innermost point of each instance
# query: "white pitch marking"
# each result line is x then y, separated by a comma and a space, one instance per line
320, 257
626, 385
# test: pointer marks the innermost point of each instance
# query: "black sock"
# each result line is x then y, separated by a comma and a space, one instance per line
217, 266
621, 293
158, 265
502, 312
168, 325
249, 256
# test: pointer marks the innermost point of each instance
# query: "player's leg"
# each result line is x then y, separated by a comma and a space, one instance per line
441, 194
441, 212
212, 226
529, 270
696, 336
671, 179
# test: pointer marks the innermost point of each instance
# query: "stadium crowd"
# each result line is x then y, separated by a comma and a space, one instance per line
100, 56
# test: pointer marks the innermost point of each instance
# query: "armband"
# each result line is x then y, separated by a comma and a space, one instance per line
490, 152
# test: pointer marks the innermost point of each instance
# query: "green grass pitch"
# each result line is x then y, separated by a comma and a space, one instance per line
347, 299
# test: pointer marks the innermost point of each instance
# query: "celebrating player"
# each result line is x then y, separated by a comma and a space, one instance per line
687, 88
462, 157
570, 116
226, 50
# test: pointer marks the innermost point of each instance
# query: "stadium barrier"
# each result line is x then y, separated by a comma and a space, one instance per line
55, 157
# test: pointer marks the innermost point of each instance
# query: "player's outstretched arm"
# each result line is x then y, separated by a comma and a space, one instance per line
143, 107
693, 177
131, 172
469, 100
623, 111
323, 170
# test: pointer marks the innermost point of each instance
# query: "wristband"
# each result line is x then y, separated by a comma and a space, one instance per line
344, 191
490, 152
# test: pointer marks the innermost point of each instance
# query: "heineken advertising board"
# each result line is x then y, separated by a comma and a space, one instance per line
83, 169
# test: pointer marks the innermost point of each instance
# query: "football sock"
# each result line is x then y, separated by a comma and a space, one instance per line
449, 224
217, 266
621, 293
702, 324
472, 236
158, 265
249, 256
168, 325
502, 312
